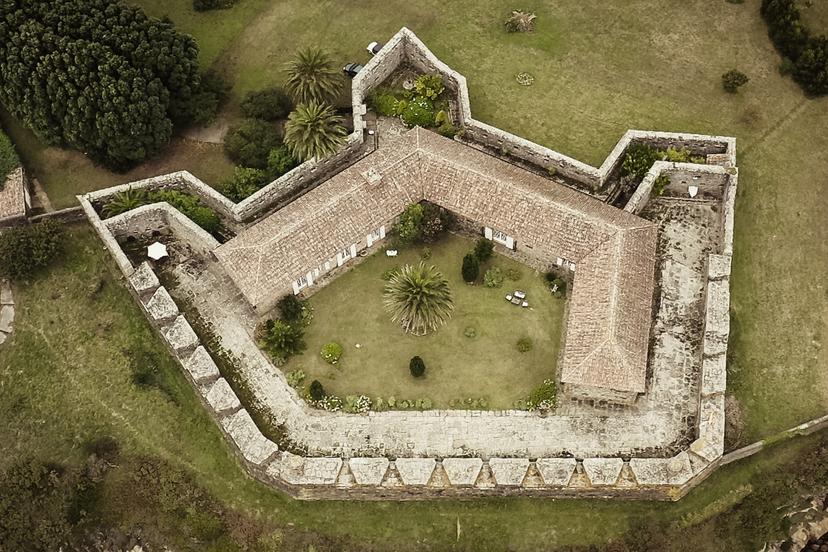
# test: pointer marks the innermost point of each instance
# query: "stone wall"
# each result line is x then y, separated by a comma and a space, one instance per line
378, 478
14, 198
712, 181
418, 477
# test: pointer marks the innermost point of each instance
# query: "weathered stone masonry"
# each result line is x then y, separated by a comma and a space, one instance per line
418, 475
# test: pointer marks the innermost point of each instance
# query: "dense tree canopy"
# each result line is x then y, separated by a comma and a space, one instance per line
809, 54
96, 75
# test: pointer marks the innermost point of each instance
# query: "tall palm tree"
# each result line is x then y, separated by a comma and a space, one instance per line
313, 130
311, 77
419, 298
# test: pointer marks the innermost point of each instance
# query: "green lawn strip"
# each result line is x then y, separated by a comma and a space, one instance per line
350, 311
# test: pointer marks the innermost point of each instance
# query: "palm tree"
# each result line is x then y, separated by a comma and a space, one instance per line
312, 77
419, 298
313, 130
124, 201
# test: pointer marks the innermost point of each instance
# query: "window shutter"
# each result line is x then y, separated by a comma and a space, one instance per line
382, 232
353, 250
310, 278
339, 260
369, 240
510, 242
295, 288
487, 232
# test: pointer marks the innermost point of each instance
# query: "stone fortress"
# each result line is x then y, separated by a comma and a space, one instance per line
645, 420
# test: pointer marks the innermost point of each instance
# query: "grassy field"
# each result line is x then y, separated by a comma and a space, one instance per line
599, 69
67, 377
350, 311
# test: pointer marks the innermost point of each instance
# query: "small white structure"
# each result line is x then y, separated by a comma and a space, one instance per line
692, 190
157, 251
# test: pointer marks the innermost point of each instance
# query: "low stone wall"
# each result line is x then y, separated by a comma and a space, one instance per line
14, 198
6, 310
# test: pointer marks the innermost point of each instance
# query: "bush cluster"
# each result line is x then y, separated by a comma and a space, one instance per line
357, 404
26, 249
250, 142
807, 54
542, 397
557, 285
733, 80
100, 77
207, 5
331, 352
639, 158
421, 222
520, 22
189, 205
271, 104
393, 403
470, 403
281, 340
493, 278
423, 106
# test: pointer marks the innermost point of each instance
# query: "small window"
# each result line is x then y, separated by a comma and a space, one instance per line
301, 282
345, 254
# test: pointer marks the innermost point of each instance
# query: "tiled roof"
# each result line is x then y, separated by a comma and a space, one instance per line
608, 325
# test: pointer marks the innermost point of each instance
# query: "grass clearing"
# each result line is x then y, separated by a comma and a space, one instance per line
350, 311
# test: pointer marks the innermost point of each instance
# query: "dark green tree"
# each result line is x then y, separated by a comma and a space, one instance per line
98, 76
471, 268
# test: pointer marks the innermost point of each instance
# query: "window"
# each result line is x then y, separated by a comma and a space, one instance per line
500, 236
301, 283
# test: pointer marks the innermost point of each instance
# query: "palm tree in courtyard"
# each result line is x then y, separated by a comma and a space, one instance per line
313, 130
418, 297
312, 77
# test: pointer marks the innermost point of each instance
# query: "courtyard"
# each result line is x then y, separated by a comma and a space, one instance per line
488, 365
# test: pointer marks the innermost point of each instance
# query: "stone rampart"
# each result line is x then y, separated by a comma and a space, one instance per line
374, 476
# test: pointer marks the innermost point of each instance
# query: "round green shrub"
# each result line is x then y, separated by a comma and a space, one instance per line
470, 332
316, 391
418, 111
250, 142
26, 249
280, 161
385, 104
404, 403
290, 307
493, 278
524, 344
483, 249
416, 366
296, 378
331, 352
392, 401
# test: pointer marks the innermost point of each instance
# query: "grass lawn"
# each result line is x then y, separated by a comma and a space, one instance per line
66, 378
350, 311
